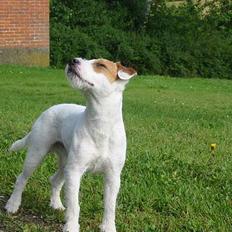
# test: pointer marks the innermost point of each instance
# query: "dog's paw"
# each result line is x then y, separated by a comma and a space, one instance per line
71, 227
57, 205
108, 228
12, 206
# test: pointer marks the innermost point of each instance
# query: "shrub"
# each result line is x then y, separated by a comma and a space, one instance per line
191, 44
182, 41
67, 43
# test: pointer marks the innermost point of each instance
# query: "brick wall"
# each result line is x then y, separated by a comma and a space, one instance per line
24, 32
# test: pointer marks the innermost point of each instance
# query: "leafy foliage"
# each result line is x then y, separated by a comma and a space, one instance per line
191, 40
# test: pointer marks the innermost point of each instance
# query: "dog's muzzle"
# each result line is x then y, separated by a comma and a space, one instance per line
74, 69
73, 66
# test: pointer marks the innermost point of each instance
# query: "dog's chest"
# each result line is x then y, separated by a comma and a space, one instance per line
97, 140
102, 149
98, 164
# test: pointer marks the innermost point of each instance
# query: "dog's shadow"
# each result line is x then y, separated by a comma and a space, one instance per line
26, 218
43, 219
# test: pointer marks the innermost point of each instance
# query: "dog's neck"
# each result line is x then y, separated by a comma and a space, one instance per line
102, 114
107, 109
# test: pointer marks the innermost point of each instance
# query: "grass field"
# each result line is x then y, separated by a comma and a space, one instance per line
171, 181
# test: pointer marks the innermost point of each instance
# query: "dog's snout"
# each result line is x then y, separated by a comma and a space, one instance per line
76, 61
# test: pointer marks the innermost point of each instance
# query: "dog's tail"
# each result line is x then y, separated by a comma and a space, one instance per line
19, 144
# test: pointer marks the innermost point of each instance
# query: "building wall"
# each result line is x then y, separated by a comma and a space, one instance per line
24, 32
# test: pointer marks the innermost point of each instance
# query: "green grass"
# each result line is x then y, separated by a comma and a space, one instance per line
171, 181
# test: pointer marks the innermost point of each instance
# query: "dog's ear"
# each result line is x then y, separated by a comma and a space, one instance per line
125, 73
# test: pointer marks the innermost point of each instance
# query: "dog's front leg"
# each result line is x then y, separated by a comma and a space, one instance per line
112, 185
72, 186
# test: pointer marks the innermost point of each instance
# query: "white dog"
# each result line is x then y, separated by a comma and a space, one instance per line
90, 138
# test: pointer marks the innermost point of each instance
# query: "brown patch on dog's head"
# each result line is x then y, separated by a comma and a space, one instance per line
113, 71
106, 67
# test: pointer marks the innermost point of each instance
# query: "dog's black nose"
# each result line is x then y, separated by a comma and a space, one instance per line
76, 61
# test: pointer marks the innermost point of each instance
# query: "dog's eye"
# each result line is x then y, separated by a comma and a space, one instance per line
100, 65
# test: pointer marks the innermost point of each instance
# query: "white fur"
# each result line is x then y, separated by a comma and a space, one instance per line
88, 138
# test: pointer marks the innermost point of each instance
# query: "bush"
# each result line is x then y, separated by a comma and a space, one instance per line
191, 44
67, 43
182, 41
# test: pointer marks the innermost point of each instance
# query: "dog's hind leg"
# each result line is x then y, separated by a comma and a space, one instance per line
34, 157
57, 180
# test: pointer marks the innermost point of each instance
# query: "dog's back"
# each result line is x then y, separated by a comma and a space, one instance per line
51, 125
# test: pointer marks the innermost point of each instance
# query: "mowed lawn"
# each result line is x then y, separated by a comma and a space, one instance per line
171, 180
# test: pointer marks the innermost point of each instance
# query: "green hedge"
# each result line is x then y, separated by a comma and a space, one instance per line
182, 41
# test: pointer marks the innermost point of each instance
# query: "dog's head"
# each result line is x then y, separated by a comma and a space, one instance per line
98, 76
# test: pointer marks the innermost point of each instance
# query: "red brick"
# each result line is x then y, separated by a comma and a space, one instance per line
24, 23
